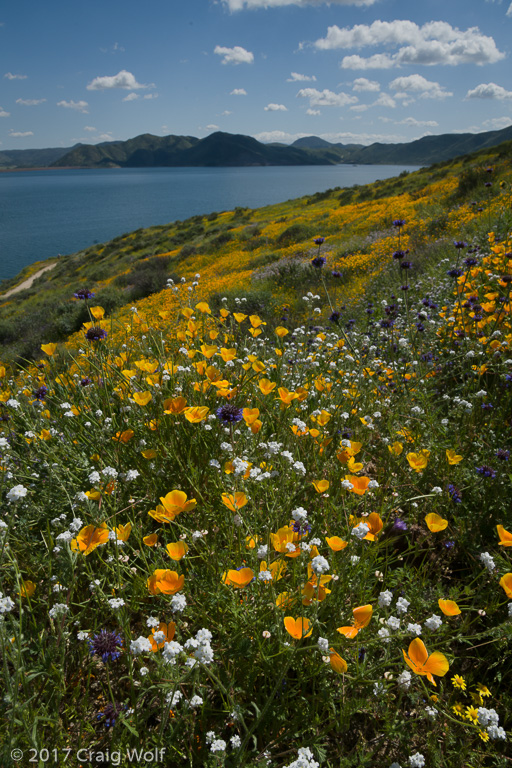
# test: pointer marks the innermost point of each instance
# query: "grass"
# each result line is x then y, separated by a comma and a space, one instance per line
262, 518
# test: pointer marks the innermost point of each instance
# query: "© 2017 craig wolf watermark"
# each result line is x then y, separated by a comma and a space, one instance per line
137, 756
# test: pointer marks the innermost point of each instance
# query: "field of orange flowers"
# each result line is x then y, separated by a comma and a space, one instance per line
278, 538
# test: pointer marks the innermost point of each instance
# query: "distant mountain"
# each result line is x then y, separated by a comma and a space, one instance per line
228, 150
218, 149
430, 149
31, 158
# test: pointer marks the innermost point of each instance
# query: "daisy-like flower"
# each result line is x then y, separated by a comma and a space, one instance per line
459, 682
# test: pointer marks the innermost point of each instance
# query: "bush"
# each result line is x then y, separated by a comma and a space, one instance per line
296, 233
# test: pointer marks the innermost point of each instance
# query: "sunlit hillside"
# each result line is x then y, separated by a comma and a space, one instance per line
255, 482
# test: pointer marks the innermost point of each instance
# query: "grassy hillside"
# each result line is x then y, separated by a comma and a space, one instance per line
261, 517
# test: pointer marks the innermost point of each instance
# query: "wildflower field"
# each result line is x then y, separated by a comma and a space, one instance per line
262, 516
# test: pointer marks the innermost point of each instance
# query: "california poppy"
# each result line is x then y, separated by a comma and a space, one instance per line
505, 536
449, 607
362, 616
297, 628
238, 579
435, 522
89, 538
423, 664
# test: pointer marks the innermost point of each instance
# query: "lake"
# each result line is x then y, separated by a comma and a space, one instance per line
54, 211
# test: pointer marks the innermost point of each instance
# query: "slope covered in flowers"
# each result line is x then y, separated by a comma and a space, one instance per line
278, 537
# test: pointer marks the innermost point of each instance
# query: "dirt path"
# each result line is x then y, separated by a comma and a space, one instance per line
28, 282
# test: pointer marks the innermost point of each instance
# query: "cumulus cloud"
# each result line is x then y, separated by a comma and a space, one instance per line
150, 96
363, 84
20, 134
427, 89
295, 78
413, 123
489, 91
3, 113
310, 111
497, 123
10, 76
30, 102
79, 106
434, 43
241, 5
90, 128
326, 98
212, 127
509, 11
132, 96
123, 79
226, 113
385, 100
238, 92
236, 55
275, 108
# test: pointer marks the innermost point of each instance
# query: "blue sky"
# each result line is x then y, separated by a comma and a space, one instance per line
347, 70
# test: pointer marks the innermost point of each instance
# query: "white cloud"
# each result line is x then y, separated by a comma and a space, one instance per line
384, 100
413, 123
79, 106
428, 89
326, 98
132, 96
360, 108
123, 79
105, 136
363, 84
497, 123
238, 92
489, 91
89, 128
212, 127
436, 42
509, 11
3, 113
20, 134
281, 136
236, 55
275, 108
150, 96
296, 78
241, 5
226, 113
313, 112
10, 76
30, 102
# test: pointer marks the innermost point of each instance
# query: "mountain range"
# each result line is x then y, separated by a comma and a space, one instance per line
228, 150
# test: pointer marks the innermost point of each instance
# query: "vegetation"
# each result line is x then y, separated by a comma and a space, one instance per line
261, 517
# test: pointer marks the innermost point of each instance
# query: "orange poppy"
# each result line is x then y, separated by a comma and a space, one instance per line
449, 607
423, 664
238, 579
89, 538
298, 628
435, 523
505, 536
362, 616
165, 582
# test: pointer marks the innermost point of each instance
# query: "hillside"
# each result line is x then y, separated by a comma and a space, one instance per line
239, 242
256, 508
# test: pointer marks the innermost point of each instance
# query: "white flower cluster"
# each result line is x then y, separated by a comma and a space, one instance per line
360, 530
116, 602
300, 514
404, 680
17, 493
170, 651
402, 605
489, 719
6, 604
320, 565
59, 609
487, 561
385, 598
200, 645
417, 760
433, 623
140, 645
304, 760
178, 603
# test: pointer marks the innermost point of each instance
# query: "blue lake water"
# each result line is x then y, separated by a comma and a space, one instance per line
51, 212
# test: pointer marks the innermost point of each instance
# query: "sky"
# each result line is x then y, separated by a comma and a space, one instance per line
349, 71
